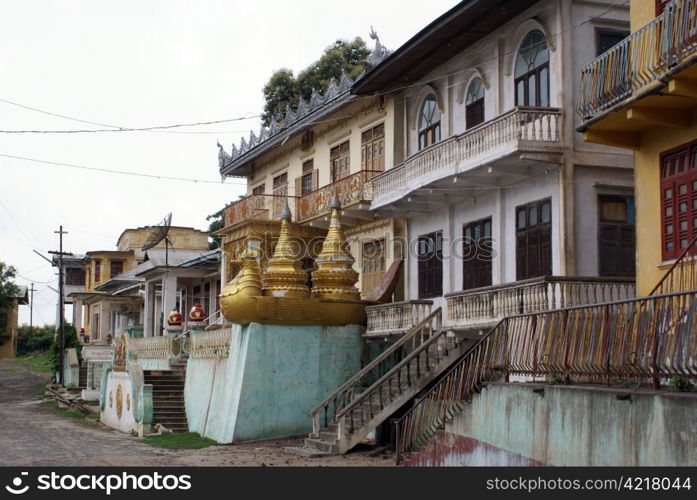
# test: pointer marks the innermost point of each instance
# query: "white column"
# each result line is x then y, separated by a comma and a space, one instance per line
149, 306
77, 314
169, 294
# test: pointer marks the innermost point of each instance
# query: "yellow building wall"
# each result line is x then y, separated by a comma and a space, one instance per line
361, 116
650, 266
9, 336
641, 12
91, 280
184, 238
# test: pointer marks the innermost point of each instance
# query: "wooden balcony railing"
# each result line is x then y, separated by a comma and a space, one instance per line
257, 207
350, 189
520, 127
396, 317
642, 58
646, 340
489, 304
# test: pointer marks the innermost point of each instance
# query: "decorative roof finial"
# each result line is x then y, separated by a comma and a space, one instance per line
335, 204
286, 215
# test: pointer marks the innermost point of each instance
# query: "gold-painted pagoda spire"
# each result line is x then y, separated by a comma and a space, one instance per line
284, 275
335, 277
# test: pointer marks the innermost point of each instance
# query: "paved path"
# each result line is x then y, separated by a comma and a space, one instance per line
32, 433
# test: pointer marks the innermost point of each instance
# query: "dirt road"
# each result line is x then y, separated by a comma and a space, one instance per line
31, 433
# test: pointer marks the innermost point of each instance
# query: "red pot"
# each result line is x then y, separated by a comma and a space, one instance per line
197, 313
175, 318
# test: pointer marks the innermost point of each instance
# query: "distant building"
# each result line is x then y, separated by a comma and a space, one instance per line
114, 296
9, 321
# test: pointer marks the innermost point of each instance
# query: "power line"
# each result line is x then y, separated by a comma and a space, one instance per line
110, 127
112, 171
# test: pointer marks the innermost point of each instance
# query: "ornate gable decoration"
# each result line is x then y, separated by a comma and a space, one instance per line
317, 101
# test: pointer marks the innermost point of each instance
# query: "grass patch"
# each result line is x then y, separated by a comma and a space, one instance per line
180, 441
70, 413
40, 390
35, 362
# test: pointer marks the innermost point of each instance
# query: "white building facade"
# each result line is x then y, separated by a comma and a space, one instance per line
507, 209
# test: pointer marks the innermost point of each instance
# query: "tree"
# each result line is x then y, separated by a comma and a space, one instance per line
8, 292
39, 339
216, 221
71, 340
283, 88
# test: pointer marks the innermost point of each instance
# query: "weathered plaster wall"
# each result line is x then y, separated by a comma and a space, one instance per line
509, 424
273, 376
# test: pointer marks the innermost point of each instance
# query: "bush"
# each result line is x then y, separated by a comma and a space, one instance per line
38, 340
71, 340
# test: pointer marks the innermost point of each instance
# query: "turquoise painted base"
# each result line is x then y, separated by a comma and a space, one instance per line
273, 377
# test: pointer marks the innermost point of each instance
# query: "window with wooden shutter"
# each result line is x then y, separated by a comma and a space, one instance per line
373, 148
373, 265
306, 184
477, 254
678, 199
534, 240
429, 122
280, 191
474, 103
116, 268
430, 265
339, 160
616, 236
97, 271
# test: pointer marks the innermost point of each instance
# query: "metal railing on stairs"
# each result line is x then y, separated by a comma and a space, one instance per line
349, 392
647, 339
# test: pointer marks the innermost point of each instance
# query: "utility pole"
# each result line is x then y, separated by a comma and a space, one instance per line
61, 303
31, 309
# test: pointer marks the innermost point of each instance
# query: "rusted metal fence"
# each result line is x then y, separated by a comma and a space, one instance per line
648, 339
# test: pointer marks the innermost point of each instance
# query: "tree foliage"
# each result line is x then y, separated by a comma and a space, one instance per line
283, 88
39, 339
216, 221
71, 340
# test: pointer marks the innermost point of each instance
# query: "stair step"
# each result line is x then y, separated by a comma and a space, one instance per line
321, 446
328, 436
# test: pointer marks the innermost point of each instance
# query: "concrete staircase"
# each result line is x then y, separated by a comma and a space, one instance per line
403, 370
168, 396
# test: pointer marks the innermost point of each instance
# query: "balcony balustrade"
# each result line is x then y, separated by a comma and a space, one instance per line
350, 190
642, 58
257, 207
395, 318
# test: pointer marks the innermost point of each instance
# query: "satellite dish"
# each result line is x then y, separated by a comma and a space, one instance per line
159, 233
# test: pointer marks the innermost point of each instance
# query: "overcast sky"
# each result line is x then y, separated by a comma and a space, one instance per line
140, 63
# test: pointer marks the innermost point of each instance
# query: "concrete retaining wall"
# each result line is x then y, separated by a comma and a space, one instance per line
272, 377
509, 424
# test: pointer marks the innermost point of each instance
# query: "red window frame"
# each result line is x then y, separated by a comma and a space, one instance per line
678, 195
661, 5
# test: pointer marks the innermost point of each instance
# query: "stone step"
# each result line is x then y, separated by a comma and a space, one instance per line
328, 436
321, 446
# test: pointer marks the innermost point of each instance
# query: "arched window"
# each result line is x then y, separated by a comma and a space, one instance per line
532, 71
474, 103
429, 122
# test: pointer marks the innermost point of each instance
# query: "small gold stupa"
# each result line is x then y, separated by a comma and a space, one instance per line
280, 295
335, 276
284, 275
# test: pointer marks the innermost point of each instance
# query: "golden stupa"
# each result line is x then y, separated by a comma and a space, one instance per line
280, 295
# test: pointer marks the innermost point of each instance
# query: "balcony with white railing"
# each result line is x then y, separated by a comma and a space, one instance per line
491, 144
485, 306
648, 56
395, 318
255, 207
